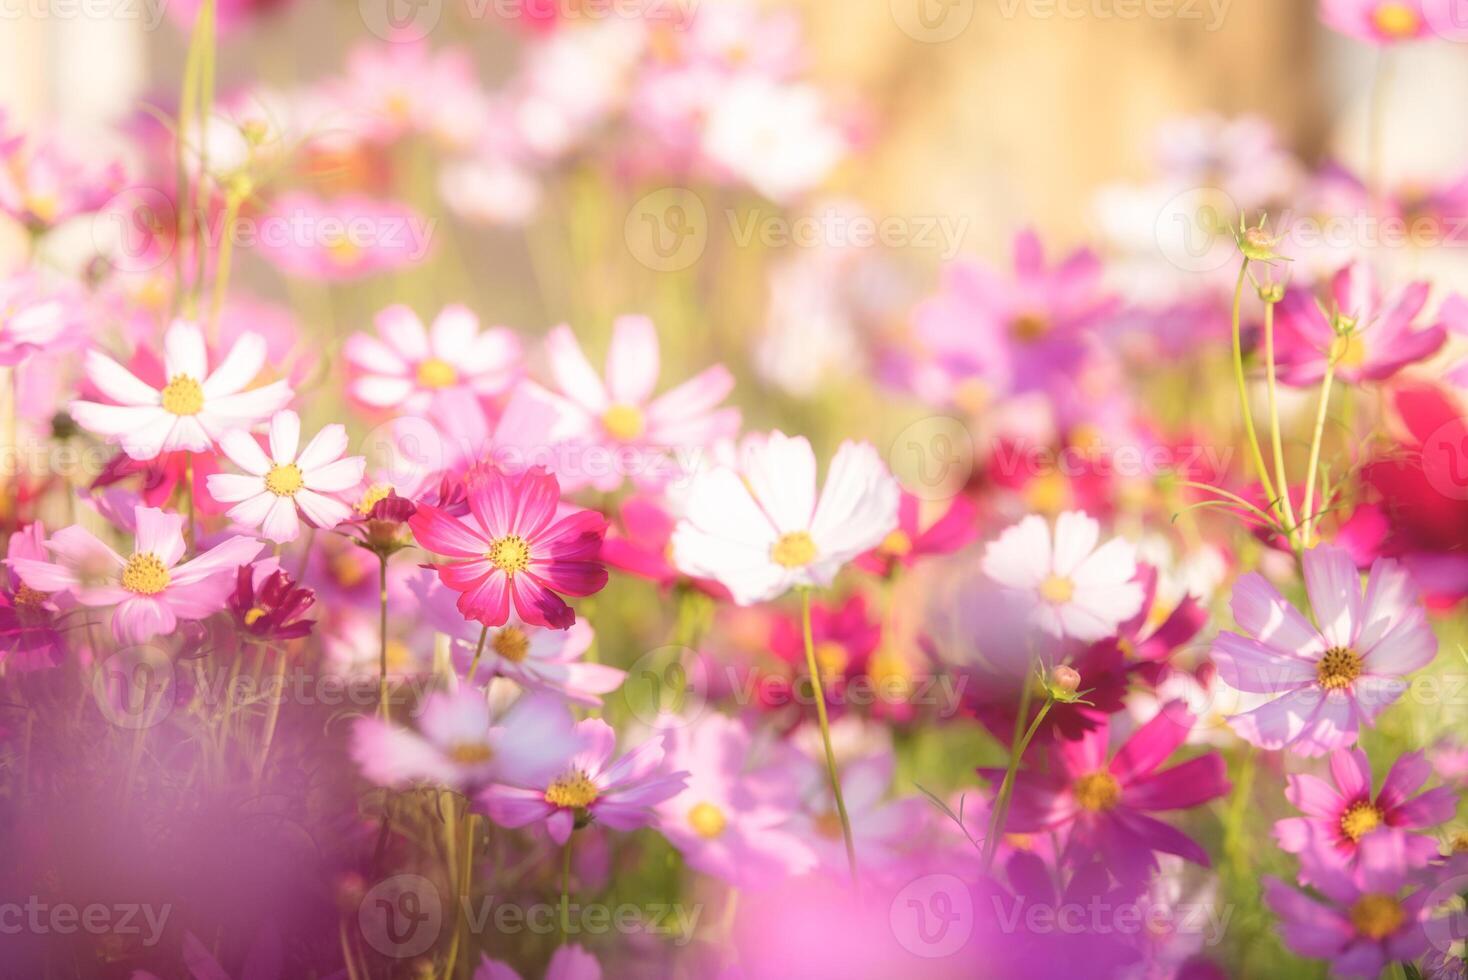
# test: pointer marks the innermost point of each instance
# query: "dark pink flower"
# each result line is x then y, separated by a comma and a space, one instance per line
29, 638
955, 528
267, 605
512, 548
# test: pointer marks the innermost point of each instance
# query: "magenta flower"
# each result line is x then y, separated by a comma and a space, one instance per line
1384, 340
343, 238
29, 637
1338, 818
512, 549
641, 545
956, 527
1366, 920
1377, 21
1329, 681
268, 605
1106, 804
591, 788
567, 963
150, 590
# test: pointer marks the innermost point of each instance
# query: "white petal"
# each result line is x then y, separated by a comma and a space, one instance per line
1020, 556
858, 506
402, 329
239, 367
244, 408
285, 436
371, 355
573, 372
453, 333
336, 477
782, 475
325, 446
381, 392
632, 360
231, 488
324, 512
252, 511
281, 523
117, 382
244, 451
184, 352
1076, 535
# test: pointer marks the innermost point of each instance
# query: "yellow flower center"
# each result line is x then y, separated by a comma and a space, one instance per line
1348, 350
1460, 842
707, 820
1338, 668
471, 753
573, 790
44, 206
896, 544
512, 644
1098, 791
437, 373
1396, 20
794, 550
1377, 916
183, 396
1029, 327
253, 616
1057, 589
342, 250
376, 492
831, 658
1359, 820
828, 824
283, 481
1048, 493
1020, 842
144, 574
399, 658
624, 422
510, 554
346, 570
25, 596
891, 675
973, 395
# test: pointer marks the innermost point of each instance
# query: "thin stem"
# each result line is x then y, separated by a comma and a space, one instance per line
1307, 515
272, 715
1276, 443
382, 635
1000, 815
466, 869
820, 699
478, 650
566, 889
1243, 384
232, 203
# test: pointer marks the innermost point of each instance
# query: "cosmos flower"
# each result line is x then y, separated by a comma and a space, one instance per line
461, 744
1362, 921
29, 633
513, 548
405, 367
34, 318
953, 530
762, 530
267, 605
1105, 804
1338, 818
621, 416
880, 827
640, 544
1378, 22
777, 137
193, 409
149, 590
42, 183
534, 657
271, 491
734, 818
1078, 590
591, 788
1328, 682
1383, 336
342, 239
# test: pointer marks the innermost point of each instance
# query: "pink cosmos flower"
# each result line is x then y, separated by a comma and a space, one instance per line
1330, 681
1384, 339
512, 548
566, 963
43, 184
1338, 818
953, 530
150, 590
272, 489
780, 138
1377, 21
1363, 921
1106, 803
591, 788
640, 544
404, 86
1077, 589
534, 657
734, 818
193, 409
29, 634
761, 531
408, 367
463, 745
635, 431
344, 238
34, 318
880, 827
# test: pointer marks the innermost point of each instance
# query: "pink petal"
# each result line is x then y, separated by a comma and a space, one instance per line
1334, 586
632, 360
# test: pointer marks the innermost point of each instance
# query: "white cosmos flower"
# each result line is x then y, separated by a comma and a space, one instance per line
272, 488
193, 408
1079, 590
761, 531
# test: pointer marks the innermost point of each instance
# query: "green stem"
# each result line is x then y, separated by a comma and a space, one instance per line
232, 203
566, 889
1308, 516
1286, 507
478, 651
1243, 384
272, 716
820, 699
382, 634
1000, 814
